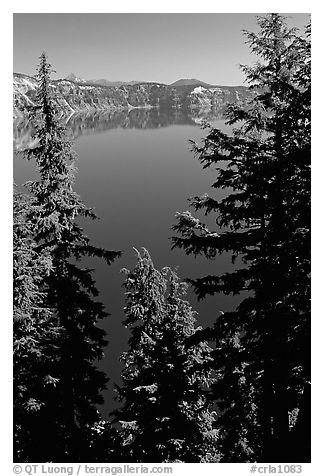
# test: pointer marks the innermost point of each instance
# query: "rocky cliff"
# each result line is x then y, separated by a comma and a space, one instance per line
76, 97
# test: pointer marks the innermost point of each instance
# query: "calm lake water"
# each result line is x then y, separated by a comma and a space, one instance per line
136, 171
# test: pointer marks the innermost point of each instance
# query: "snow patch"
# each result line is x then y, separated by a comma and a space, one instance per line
215, 90
199, 90
85, 87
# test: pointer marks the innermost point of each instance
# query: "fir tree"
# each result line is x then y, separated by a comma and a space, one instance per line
70, 289
105, 443
165, 414
35, 332
264, 221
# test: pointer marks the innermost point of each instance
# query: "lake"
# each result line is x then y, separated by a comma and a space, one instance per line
136, 170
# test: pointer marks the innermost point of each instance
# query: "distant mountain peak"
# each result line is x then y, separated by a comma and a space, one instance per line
190, 82
71, 76
74, 78
99, 82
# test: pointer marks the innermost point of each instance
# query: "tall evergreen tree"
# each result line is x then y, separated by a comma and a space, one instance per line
35, 332
262, 352
166, 414
69, 408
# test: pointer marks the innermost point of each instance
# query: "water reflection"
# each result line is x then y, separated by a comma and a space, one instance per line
136, 174
82, 124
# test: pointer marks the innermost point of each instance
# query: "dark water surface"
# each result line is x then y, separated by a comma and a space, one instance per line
136, 175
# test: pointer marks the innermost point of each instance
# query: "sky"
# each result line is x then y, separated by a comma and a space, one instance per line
143, 47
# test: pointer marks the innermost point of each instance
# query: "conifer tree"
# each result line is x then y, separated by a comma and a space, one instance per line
69, 408
34, 331
105, 443
165, 413
265, 222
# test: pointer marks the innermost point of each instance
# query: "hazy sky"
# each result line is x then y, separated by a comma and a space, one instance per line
149, 47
